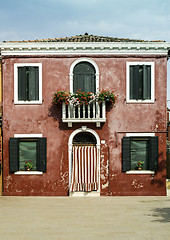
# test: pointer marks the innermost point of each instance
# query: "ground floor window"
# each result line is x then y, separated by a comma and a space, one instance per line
139, 153
27, 154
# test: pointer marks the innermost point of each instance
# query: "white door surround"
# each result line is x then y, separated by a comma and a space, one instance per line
70, 145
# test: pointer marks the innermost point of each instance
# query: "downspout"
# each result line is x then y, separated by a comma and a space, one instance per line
1, 143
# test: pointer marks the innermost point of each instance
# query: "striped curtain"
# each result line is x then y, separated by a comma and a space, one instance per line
84, 169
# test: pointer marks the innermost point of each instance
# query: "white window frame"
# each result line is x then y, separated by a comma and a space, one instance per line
28, 136
128, 64
16, 65
140, 135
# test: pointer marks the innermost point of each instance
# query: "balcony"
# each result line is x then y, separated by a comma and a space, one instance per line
92, 113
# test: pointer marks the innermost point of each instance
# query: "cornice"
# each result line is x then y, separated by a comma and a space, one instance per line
87, 48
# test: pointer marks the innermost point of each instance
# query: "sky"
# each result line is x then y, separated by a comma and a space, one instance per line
37, 19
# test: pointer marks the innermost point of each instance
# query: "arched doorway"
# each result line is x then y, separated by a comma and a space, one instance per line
84, 162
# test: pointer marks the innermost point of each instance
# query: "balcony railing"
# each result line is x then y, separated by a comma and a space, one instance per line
92, 113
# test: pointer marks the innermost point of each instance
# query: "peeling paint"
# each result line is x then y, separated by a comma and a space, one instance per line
136, 184
105, 185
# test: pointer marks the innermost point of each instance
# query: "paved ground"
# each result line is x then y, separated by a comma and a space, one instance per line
43, 218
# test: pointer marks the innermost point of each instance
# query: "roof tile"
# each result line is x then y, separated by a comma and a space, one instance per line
86, 38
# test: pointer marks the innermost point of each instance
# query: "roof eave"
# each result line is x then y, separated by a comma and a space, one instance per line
84, 47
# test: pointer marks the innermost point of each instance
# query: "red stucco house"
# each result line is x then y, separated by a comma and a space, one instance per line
92, 143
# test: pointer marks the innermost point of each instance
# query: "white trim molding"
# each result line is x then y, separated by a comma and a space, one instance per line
128, 64
140, 134
84, 60
28, 173
16, 65
86, 48
28, 135
70, 145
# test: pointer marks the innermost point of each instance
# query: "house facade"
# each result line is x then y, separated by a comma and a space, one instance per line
80, 148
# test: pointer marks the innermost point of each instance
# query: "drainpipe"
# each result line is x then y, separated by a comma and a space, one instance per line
1, 183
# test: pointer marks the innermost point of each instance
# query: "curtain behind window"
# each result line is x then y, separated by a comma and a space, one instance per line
27, 152
139, 152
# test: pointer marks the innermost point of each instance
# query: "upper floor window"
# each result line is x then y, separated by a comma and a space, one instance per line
140, 82
28, 83
84, 76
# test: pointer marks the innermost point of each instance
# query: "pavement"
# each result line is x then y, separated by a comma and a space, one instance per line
84, 218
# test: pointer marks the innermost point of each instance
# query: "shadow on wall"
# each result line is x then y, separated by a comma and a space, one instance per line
55, 111
161, 215
160, 179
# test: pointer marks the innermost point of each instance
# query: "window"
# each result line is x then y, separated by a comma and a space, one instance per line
84, 77
28, 83
32, 150
140, 149
87, 71
140, 82
84, 138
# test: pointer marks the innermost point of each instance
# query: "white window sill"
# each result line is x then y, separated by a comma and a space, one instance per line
27, 102
140, 101
140, 172
28, 173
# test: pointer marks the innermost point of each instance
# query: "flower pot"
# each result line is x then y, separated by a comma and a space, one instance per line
139, 168
27, 168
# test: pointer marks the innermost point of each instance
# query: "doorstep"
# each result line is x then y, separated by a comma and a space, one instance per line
85, 194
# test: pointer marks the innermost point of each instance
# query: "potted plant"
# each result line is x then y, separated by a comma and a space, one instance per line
80, 97
28, 165
139, 165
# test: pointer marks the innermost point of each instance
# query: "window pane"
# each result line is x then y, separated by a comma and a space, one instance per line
139, 152
27, 152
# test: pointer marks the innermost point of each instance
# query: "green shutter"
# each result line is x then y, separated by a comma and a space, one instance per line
22, 79
134, 82
146, 82
153, 155
33, 82
42, 154
126, 156
78, 83
13, 155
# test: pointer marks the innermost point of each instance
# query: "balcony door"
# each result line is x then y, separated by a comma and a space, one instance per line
84, 77
85, 162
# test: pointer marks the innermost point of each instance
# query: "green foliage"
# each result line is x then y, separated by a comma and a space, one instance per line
80, 97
